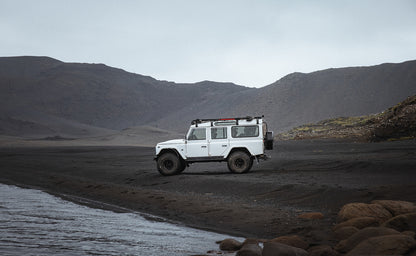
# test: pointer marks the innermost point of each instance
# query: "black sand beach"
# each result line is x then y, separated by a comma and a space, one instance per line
302, 176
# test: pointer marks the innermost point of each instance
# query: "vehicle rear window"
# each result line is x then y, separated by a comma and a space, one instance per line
244, 131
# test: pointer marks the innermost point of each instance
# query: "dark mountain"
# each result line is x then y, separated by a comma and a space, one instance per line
33, 88
300, 98
40, 92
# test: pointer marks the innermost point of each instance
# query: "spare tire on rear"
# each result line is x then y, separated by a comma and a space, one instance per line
268, 141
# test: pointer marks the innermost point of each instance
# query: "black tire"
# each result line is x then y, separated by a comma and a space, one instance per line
239, 162
169, 164
182, 166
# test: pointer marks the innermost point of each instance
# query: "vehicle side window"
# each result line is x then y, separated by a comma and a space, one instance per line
219, 133
244, 131
197, 134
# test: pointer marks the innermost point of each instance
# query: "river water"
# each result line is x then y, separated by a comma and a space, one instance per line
33, 222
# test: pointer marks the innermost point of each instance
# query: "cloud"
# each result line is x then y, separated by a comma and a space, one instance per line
247, 42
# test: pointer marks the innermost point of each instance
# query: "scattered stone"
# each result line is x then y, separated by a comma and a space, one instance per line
345, 232
230, 244
322, 250
384, 245
397, 207
409, 233
360, 223
293, 240
361, 235
311, 216
402, 222
355, 210
279, 249
250, 250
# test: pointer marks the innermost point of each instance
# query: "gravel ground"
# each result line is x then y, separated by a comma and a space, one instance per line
301, 176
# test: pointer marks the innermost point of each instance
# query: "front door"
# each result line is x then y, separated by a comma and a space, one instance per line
197, 144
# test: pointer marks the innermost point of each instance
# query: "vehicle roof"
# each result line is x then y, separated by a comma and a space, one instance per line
223, 123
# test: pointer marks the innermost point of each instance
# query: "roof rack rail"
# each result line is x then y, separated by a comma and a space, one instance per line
248, 118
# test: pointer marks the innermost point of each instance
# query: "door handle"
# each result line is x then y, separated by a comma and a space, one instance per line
203, 146
224, 146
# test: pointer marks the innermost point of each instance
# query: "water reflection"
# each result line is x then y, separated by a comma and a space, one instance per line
35, 223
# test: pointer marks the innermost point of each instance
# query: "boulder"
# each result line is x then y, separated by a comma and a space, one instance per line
250, 250
384, 245
402, 222
311, 216
360, 222
293, 240
396, 207
345, 232
412, 252
409, 233
322, 250
230, 244
355, 210
254, 241
279, 249
361, 235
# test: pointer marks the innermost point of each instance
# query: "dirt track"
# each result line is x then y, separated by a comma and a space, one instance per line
302, 176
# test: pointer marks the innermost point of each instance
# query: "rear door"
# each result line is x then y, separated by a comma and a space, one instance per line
218, 141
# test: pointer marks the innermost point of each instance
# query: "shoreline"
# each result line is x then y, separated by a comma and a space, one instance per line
265, 203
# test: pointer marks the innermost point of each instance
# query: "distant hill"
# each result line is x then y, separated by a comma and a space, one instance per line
300, 98
395, 123
42, 89
44, 96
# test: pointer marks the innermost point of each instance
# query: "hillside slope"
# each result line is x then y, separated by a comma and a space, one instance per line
397, 122
38, 91
300, 98
93, 94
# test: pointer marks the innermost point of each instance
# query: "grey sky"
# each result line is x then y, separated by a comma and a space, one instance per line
252, 43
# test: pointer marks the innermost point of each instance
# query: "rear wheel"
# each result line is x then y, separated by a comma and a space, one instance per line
240, 162
170, 164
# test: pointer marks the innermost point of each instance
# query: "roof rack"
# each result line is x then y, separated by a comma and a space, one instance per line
248, 118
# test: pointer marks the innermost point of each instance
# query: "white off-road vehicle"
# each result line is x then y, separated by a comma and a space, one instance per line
236, 140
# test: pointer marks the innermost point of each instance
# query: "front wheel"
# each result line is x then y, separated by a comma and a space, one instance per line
169, 164
240, 162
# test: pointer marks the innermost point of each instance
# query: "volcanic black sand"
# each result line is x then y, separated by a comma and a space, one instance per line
302, 176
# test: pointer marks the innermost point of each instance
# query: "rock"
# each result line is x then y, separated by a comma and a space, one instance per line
409, 233
322, 250
311, 216
294, 241
396, 207
279, 249
254, 241
250, 249
360, 222
361, 235
402, 222
345, 232
384, 245
412, 252
230, 244
355, 210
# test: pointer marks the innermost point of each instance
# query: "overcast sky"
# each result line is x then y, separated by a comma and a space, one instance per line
252, 43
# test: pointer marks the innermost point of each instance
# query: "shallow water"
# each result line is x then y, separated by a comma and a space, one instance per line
33, 222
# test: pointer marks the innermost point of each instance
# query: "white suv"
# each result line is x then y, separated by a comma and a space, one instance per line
236, 140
